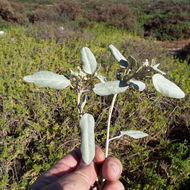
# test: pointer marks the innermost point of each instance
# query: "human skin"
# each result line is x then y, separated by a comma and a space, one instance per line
70, 173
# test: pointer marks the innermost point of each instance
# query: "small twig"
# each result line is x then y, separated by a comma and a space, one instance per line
79, 100
135, 74
117, 137
83, 104
79, 104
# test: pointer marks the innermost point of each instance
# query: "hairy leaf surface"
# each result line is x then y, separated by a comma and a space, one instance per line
87, 124
48, 79
166, 87
109, 88
88, 60
134, 134
118, 56
155, 68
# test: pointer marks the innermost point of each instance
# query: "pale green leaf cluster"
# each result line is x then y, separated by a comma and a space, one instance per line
161, 84
127, 78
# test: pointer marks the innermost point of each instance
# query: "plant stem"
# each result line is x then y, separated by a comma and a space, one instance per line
78, 101
135, 74
117, 137
109, 122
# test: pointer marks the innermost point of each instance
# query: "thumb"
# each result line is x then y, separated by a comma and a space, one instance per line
81, 179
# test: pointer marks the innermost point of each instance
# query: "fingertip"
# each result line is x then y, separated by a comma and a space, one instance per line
112, 169
114, 185
99, 155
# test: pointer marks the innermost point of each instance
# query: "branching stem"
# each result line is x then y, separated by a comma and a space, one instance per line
135, 74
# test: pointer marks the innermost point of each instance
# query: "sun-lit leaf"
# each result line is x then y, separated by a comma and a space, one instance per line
138, 85
155, 66
48, 79
134, 134
87, 124
88, 60
118, 56
166, 87
110, 88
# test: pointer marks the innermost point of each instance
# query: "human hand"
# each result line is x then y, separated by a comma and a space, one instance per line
70, 174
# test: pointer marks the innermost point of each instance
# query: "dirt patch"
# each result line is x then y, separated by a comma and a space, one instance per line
174, 45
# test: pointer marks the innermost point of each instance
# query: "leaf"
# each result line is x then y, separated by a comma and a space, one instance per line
87, 124
134, 134
109, 88
155, 68
88, 60
132, 61
118, 56
101, 78
48, 79
166, 87
138, 85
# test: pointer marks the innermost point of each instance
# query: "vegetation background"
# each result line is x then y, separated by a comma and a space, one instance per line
39, 125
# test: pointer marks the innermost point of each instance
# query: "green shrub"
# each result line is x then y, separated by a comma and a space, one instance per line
38, 126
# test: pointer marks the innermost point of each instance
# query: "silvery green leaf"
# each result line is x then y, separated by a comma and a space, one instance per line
118, 56
132, 61
101, 78
48, 79
138, 85
166, 87
110, 88
134, 134
88, 60
87, 124
155, 68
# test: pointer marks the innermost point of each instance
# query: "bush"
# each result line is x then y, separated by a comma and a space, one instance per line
184, 53
69, 9
9, 12
118, 15
38, 126
168, 20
